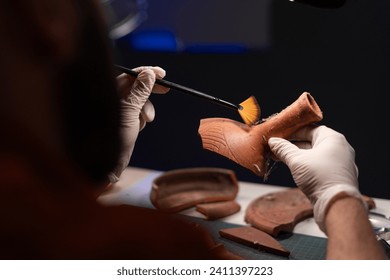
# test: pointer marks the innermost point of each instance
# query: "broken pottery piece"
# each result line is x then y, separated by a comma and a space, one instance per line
281, 211
248, 145
217, 210
255, 238
181, 189
278, 211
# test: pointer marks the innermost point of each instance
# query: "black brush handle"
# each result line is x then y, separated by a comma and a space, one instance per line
183, 89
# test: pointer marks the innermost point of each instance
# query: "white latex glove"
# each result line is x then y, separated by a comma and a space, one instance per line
136, 110
323, 166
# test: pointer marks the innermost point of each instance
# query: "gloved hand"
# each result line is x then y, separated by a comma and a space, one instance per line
136, 109
323, 166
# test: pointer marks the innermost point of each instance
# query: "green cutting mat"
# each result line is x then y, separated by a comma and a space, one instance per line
301, 247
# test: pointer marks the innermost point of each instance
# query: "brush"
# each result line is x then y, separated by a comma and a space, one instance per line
249, 109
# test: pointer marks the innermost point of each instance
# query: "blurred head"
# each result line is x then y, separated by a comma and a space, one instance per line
57, 83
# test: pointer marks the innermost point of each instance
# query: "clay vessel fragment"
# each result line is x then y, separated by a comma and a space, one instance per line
282, 210
255, 238
248, 145
218, 210
181, 189
278, 211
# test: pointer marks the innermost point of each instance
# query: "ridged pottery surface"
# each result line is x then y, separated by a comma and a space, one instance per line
248, 145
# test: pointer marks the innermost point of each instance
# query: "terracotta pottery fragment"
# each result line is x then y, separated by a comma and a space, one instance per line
248, 145
218, 210
255, 238
278, 211
180, 189
281, 211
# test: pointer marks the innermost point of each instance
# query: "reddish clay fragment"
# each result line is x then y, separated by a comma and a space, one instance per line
248, 145
180, 189
278, 211
281, 211
218, 210
254, 238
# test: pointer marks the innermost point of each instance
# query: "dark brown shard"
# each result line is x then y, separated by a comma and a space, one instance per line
218, 210
181, 189
278, 211
255, 238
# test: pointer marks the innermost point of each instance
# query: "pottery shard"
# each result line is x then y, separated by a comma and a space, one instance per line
255, 238
282, 210
180, 189
278, 211
218, 210
248, 145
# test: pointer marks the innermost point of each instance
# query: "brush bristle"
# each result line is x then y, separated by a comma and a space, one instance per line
250, 111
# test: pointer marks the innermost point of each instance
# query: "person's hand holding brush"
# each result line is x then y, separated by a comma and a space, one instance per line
136, 109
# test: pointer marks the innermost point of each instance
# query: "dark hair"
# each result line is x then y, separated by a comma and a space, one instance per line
89, 99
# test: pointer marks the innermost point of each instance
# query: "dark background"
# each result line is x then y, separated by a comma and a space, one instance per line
340, 56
